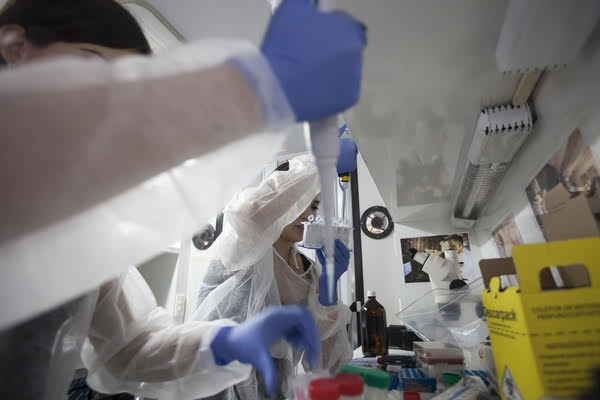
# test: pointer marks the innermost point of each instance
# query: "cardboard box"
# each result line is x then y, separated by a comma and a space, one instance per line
505, 266
496, 267
556, 198
546, 342
570, 217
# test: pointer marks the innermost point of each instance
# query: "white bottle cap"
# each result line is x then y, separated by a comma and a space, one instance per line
371, 293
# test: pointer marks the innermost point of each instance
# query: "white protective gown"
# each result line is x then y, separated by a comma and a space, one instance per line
249, 275
155, 101
134, 346
129, 345
50, 275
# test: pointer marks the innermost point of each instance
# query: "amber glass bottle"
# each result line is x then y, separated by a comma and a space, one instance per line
373, 327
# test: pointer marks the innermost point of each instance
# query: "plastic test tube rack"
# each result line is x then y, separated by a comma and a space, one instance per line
314, 232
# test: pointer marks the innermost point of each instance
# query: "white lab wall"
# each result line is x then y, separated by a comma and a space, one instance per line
160, 274
565, 99
382, 261
176, 272
382, 268
200, 19
199, 260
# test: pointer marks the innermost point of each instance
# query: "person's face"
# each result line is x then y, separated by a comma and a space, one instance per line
457, 245
16, 49
295, 231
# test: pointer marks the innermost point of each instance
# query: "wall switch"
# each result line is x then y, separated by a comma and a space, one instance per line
179, 312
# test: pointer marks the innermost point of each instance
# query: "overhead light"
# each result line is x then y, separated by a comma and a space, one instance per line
499, 134
544, 34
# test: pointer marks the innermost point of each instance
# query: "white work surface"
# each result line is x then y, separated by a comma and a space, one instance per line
392, 352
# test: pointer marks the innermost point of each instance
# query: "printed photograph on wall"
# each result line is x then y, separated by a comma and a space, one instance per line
506, 235
413, 271
564, 190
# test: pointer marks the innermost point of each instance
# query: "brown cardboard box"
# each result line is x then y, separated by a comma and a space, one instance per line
505, 266
556, 198
496, 267
574, 218
573, 277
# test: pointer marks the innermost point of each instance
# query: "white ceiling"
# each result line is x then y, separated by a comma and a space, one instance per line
197, 19
429, 69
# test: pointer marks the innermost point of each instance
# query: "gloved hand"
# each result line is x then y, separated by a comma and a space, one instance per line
341, 261
346, 161
250, 342
317, 58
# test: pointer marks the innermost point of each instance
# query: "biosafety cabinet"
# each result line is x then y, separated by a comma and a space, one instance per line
478, 132
477, 128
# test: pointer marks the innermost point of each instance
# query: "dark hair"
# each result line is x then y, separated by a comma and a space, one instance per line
458, 239
284, 166
100, 22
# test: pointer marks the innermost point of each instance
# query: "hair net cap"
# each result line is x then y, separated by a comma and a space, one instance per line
255, 218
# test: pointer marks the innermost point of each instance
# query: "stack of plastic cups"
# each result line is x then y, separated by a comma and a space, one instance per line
324, 389
351, 386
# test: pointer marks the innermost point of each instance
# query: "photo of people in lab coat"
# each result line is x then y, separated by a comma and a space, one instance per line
413, 270
571, 173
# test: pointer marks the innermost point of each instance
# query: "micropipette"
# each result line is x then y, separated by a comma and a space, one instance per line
325, 148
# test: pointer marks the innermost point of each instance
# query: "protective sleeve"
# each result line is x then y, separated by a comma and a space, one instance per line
120, 123
332, 322
134, 346
256, 217
120, 151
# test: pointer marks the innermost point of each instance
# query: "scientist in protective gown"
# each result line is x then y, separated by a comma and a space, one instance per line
84, 121
258, 265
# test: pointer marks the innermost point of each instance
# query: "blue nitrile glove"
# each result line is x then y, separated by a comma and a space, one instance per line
342, 259
346, 161
250, 342
317, 58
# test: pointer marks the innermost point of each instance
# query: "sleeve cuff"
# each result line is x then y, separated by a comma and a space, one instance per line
276, 109
220, 342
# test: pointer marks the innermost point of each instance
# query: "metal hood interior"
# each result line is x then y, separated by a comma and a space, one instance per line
430, 67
